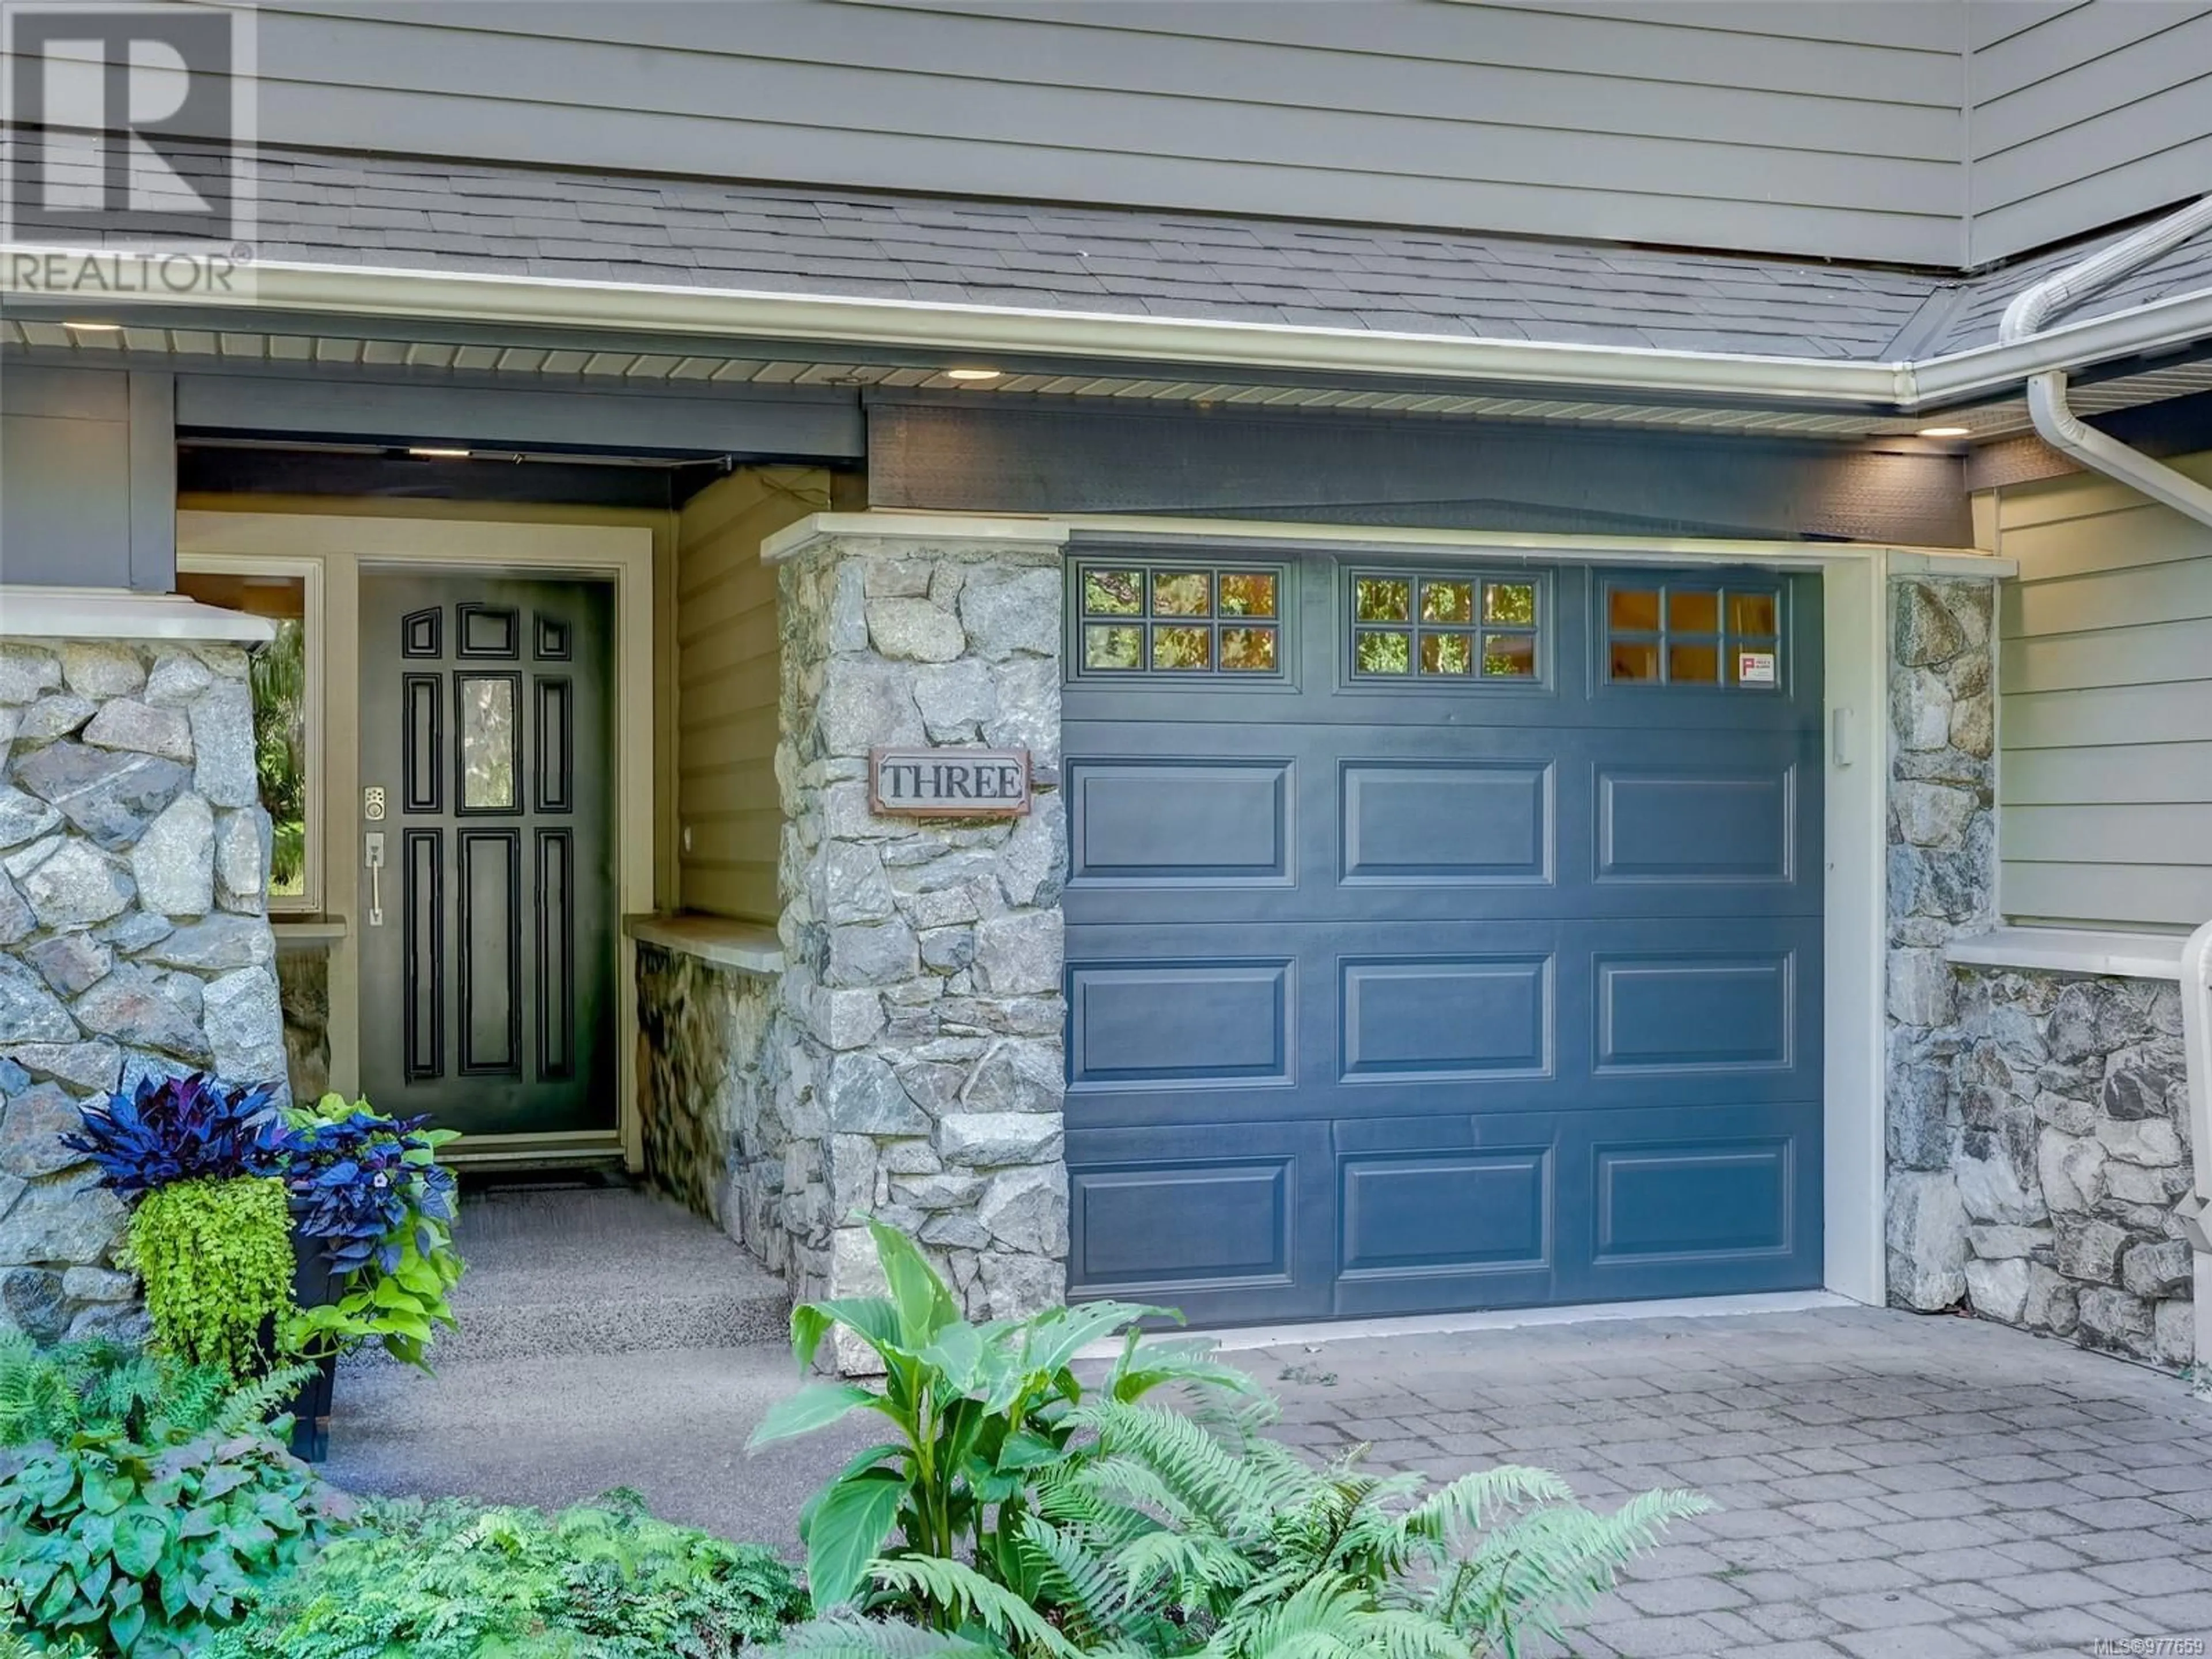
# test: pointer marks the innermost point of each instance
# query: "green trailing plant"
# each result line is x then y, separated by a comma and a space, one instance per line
976, 1413
1109, 1523
148, 1500
216, 1258
453, 1580
371, 1186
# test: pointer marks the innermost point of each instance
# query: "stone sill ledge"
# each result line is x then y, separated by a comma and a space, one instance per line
747, 947
95, 613
2071, 951
300, 932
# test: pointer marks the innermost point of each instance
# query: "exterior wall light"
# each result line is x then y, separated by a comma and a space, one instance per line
1946, 432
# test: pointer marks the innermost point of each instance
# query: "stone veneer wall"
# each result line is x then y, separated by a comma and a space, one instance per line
2038, 1122
907, 1064
708, 1084
133, 940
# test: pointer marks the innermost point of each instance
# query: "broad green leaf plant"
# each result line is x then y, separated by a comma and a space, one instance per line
146, 1501
1036, 1520
974, 1412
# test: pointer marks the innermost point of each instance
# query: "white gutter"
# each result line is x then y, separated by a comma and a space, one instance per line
46, 275
2060, 427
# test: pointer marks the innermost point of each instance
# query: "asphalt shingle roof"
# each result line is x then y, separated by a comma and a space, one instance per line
386, 211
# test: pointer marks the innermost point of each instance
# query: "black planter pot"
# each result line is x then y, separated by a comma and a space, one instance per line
314, 1285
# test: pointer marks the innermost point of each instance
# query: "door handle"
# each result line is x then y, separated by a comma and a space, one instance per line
372, 857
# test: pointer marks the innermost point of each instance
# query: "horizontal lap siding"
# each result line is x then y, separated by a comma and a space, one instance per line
2105, 664
2084, 115
1812, 128
728, 682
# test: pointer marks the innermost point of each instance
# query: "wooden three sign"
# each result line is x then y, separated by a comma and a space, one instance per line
950, 783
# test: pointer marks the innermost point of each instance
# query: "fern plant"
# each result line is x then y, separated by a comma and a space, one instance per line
1179, 1536
453, 1580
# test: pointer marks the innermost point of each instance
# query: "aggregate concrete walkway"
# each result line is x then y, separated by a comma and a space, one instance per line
1891, 1484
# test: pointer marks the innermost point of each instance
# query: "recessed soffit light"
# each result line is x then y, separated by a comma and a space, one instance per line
1946, 432
973, 374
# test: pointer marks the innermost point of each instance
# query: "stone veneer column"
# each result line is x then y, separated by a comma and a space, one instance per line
921, 1011
2039, 1126
1942, 883
134, 938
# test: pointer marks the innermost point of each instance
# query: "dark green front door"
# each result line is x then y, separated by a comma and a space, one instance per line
486, 860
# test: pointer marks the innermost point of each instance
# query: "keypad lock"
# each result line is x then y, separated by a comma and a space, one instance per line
371, 803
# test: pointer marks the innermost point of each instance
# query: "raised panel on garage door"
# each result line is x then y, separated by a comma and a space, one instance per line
1464, 952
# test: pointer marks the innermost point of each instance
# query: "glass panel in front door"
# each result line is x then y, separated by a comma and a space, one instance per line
488, 924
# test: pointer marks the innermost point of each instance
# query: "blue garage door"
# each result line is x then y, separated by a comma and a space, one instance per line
1440, 937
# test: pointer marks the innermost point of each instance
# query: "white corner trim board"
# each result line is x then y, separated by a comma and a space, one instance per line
2071, 951
2197, 1052
100, 613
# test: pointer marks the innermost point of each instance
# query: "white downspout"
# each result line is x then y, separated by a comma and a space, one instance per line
2064, 431
2059, 426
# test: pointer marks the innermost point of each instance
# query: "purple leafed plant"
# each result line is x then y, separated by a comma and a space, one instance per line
357, 1180
191, 1128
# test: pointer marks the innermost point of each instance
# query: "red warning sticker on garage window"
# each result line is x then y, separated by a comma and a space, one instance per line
1754, 668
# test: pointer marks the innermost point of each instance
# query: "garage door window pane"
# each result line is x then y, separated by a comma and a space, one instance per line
1377, 599
1693, 665
1633, 611
1635, 663
1509, 656
1114, 649
1447, 654
1247, 650
1113, 593
1245, 593
1380, 652
1510, 602
1751, 613
1183, 593
1693, 612
1182, 648
1447, 602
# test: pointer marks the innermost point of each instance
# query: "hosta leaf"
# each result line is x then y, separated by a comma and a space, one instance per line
124, 1626
138, 1540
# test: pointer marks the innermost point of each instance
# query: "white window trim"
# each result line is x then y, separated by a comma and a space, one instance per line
309, 900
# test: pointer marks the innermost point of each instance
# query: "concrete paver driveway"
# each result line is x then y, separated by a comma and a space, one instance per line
1890, 1483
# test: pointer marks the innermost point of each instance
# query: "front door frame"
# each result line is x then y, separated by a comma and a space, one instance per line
338, 546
